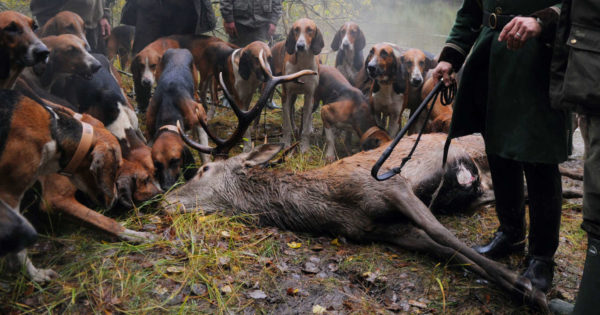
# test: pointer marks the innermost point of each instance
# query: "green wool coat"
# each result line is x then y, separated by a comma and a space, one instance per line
504, 94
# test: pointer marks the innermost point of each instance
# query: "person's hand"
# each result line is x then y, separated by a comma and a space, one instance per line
230, 29
518, 31
272, 29
444, 71
105, 27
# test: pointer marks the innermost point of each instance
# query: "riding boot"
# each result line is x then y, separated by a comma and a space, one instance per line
545, 205
507, 178
587, 299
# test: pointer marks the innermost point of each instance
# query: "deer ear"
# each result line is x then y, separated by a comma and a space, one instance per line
262, 154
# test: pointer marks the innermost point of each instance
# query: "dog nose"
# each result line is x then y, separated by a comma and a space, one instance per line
346, 45
301, 46
40, 53
146, 82
371, 68
416, 81
95, 67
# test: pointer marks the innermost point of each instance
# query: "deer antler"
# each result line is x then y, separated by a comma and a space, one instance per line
245, 118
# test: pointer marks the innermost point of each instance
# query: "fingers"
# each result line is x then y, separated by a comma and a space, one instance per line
507, 28
518, 31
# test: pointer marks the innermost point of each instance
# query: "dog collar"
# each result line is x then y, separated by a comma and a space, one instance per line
87, 135
369, 133
169, 128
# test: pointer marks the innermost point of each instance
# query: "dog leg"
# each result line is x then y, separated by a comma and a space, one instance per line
330, 144
288, 106
306, 128
203, 139
394, 124
35, 274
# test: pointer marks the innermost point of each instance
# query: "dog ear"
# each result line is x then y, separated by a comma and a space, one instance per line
50, 28
290, 42
376, 87
4, 63
430, 63
45, 70
337, 40
360, 42
189, 164
126, 187
317, 43
245, 65
399, 83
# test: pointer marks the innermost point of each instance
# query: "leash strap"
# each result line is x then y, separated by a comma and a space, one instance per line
169, 128
87, 135
447, 95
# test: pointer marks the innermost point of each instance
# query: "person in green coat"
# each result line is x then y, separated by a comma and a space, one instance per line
504, 95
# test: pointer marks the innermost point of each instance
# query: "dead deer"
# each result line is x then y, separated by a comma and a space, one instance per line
341, 198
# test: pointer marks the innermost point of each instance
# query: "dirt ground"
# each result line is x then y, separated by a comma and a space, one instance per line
213, 264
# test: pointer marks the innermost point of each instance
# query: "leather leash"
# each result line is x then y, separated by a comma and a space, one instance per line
87, 136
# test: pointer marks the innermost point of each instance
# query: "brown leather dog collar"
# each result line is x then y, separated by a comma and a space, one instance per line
170, 128
368, 133
87, 135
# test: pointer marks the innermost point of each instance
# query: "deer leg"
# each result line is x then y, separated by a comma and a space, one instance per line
306, 128
329, 143
408, 204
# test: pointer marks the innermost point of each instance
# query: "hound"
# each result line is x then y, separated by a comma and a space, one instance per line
120, 43
65, 22
36, 140
387, 87
19, 47
414, 64
174, 102
346, 108
303, 46
349, 59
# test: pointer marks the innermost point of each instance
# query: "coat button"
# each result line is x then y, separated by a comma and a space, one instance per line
573, 41
498, 10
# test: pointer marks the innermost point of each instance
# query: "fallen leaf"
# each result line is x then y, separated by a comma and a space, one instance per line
155, 219
417, 304
223, 260
294, 245
292, 291
257, 295
335, 242
175, 269
318, 309
333, 267
317, 248
160, 290
225, 234
199, 289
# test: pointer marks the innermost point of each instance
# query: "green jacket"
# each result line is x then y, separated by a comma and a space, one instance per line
251, 13
575, 71
504, 94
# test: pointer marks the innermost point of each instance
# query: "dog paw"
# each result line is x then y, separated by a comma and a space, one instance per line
137, 237
42, 275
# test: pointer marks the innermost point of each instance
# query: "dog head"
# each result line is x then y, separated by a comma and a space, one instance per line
415, 65
144, 65
304, 36
67, 56
381, 63
374, 138
249, 61
171, 156
349, 38
65, 22
16, 233
18, 44
136, 182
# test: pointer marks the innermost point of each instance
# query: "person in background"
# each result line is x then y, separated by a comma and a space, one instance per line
158, 18
95, 13
504, 95
575, 85
249, 21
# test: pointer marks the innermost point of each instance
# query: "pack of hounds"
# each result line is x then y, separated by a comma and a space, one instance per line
67, 126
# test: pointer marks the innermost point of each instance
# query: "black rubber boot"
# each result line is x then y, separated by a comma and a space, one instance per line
540, 271
502, 245
588, 298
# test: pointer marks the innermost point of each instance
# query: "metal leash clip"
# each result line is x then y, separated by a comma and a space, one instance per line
446, 98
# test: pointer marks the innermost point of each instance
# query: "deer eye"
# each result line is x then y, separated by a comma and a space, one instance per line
205, 168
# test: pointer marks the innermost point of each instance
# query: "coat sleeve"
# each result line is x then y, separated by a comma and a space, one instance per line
548, 18
276, 11
106, 5
465, 31
226, 7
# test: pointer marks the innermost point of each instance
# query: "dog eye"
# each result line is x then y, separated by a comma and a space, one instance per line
34, 26
421, 63
72, 49
383, 53
174, 162
12, 28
